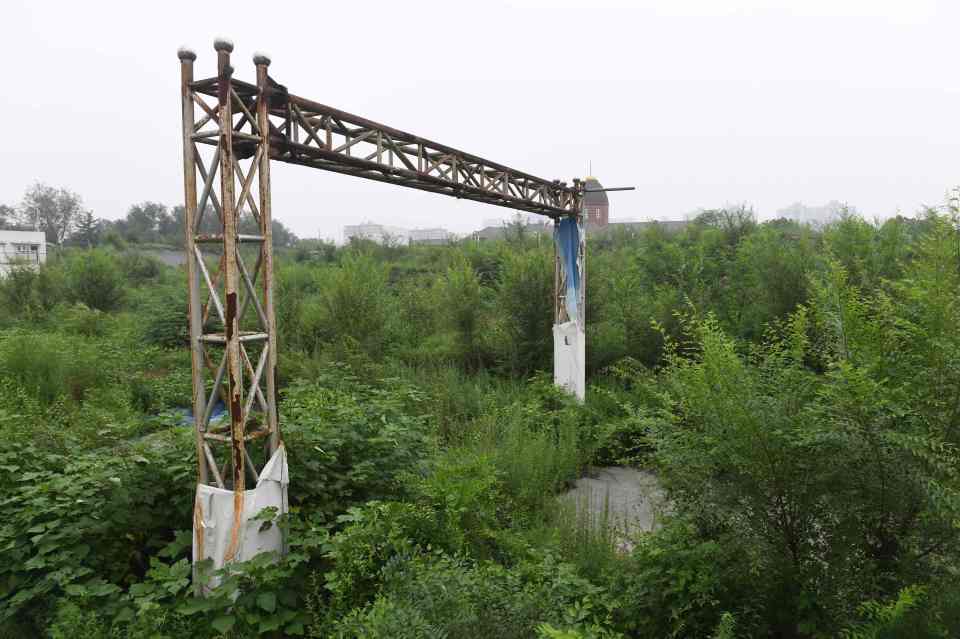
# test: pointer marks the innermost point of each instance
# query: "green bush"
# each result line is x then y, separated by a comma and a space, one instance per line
826, 475
677, 582
18, 291
464, 491
95, 279
375, 534
461, 299
357, 304
140, 268
28, 294
535, 444
78, 319
524, 311
84, 525
52, 366
352, 442
165, 321
461, 599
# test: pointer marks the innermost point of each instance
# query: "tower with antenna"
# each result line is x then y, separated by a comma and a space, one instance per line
596, 206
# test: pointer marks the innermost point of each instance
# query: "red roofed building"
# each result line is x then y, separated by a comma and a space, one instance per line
595, 205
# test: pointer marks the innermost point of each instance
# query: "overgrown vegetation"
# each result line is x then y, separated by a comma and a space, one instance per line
796, 390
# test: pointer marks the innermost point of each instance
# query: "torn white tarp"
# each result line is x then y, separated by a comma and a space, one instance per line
569, 355
220, 536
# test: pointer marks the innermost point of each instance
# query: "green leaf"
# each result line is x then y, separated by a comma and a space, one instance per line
267, 601
76, 590
224, 623
267, 513
269, 624
194, 605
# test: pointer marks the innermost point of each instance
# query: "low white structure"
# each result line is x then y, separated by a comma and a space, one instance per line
379, 233
570, 358
22, 247
431, 236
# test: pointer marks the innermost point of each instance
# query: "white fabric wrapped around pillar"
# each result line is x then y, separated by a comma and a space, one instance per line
569, 355
221, 537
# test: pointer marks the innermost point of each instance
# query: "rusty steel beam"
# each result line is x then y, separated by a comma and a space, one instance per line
266, 230
231, 322
308, 133
194, 305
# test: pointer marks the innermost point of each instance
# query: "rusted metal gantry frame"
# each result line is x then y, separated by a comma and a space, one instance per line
251, 124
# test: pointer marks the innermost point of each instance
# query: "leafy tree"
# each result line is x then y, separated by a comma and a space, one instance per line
524, 310
734, 221
170, 227
143, 222
51, 210
8, 217
96, 280
769, 277
460, 294
87, 229
282, 236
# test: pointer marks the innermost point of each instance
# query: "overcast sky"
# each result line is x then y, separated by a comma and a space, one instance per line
697, 102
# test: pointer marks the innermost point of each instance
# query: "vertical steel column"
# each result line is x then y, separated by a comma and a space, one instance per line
194, 312
231, 321
266, 230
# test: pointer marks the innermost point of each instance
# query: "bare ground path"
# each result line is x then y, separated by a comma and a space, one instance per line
631, 498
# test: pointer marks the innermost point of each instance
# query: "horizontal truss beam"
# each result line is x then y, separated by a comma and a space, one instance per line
311, 134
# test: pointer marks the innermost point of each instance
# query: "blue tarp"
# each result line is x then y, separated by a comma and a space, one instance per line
568, 246
219, 411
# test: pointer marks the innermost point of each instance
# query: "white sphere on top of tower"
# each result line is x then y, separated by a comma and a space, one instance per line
223, 44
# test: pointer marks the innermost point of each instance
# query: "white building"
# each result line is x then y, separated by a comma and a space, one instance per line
431, 236
800, 212
379, 233
22, 247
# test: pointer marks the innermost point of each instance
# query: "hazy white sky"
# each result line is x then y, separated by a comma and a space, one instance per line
696, 102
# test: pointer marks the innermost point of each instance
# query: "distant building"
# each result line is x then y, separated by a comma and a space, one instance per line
800, 212
379, 233
501, 231
596, 206
22, 247
669, 226
431, 236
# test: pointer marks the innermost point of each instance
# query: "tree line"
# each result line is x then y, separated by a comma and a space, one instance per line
60, 213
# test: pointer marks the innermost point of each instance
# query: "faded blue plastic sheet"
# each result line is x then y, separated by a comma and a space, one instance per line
568, 246
219, 411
